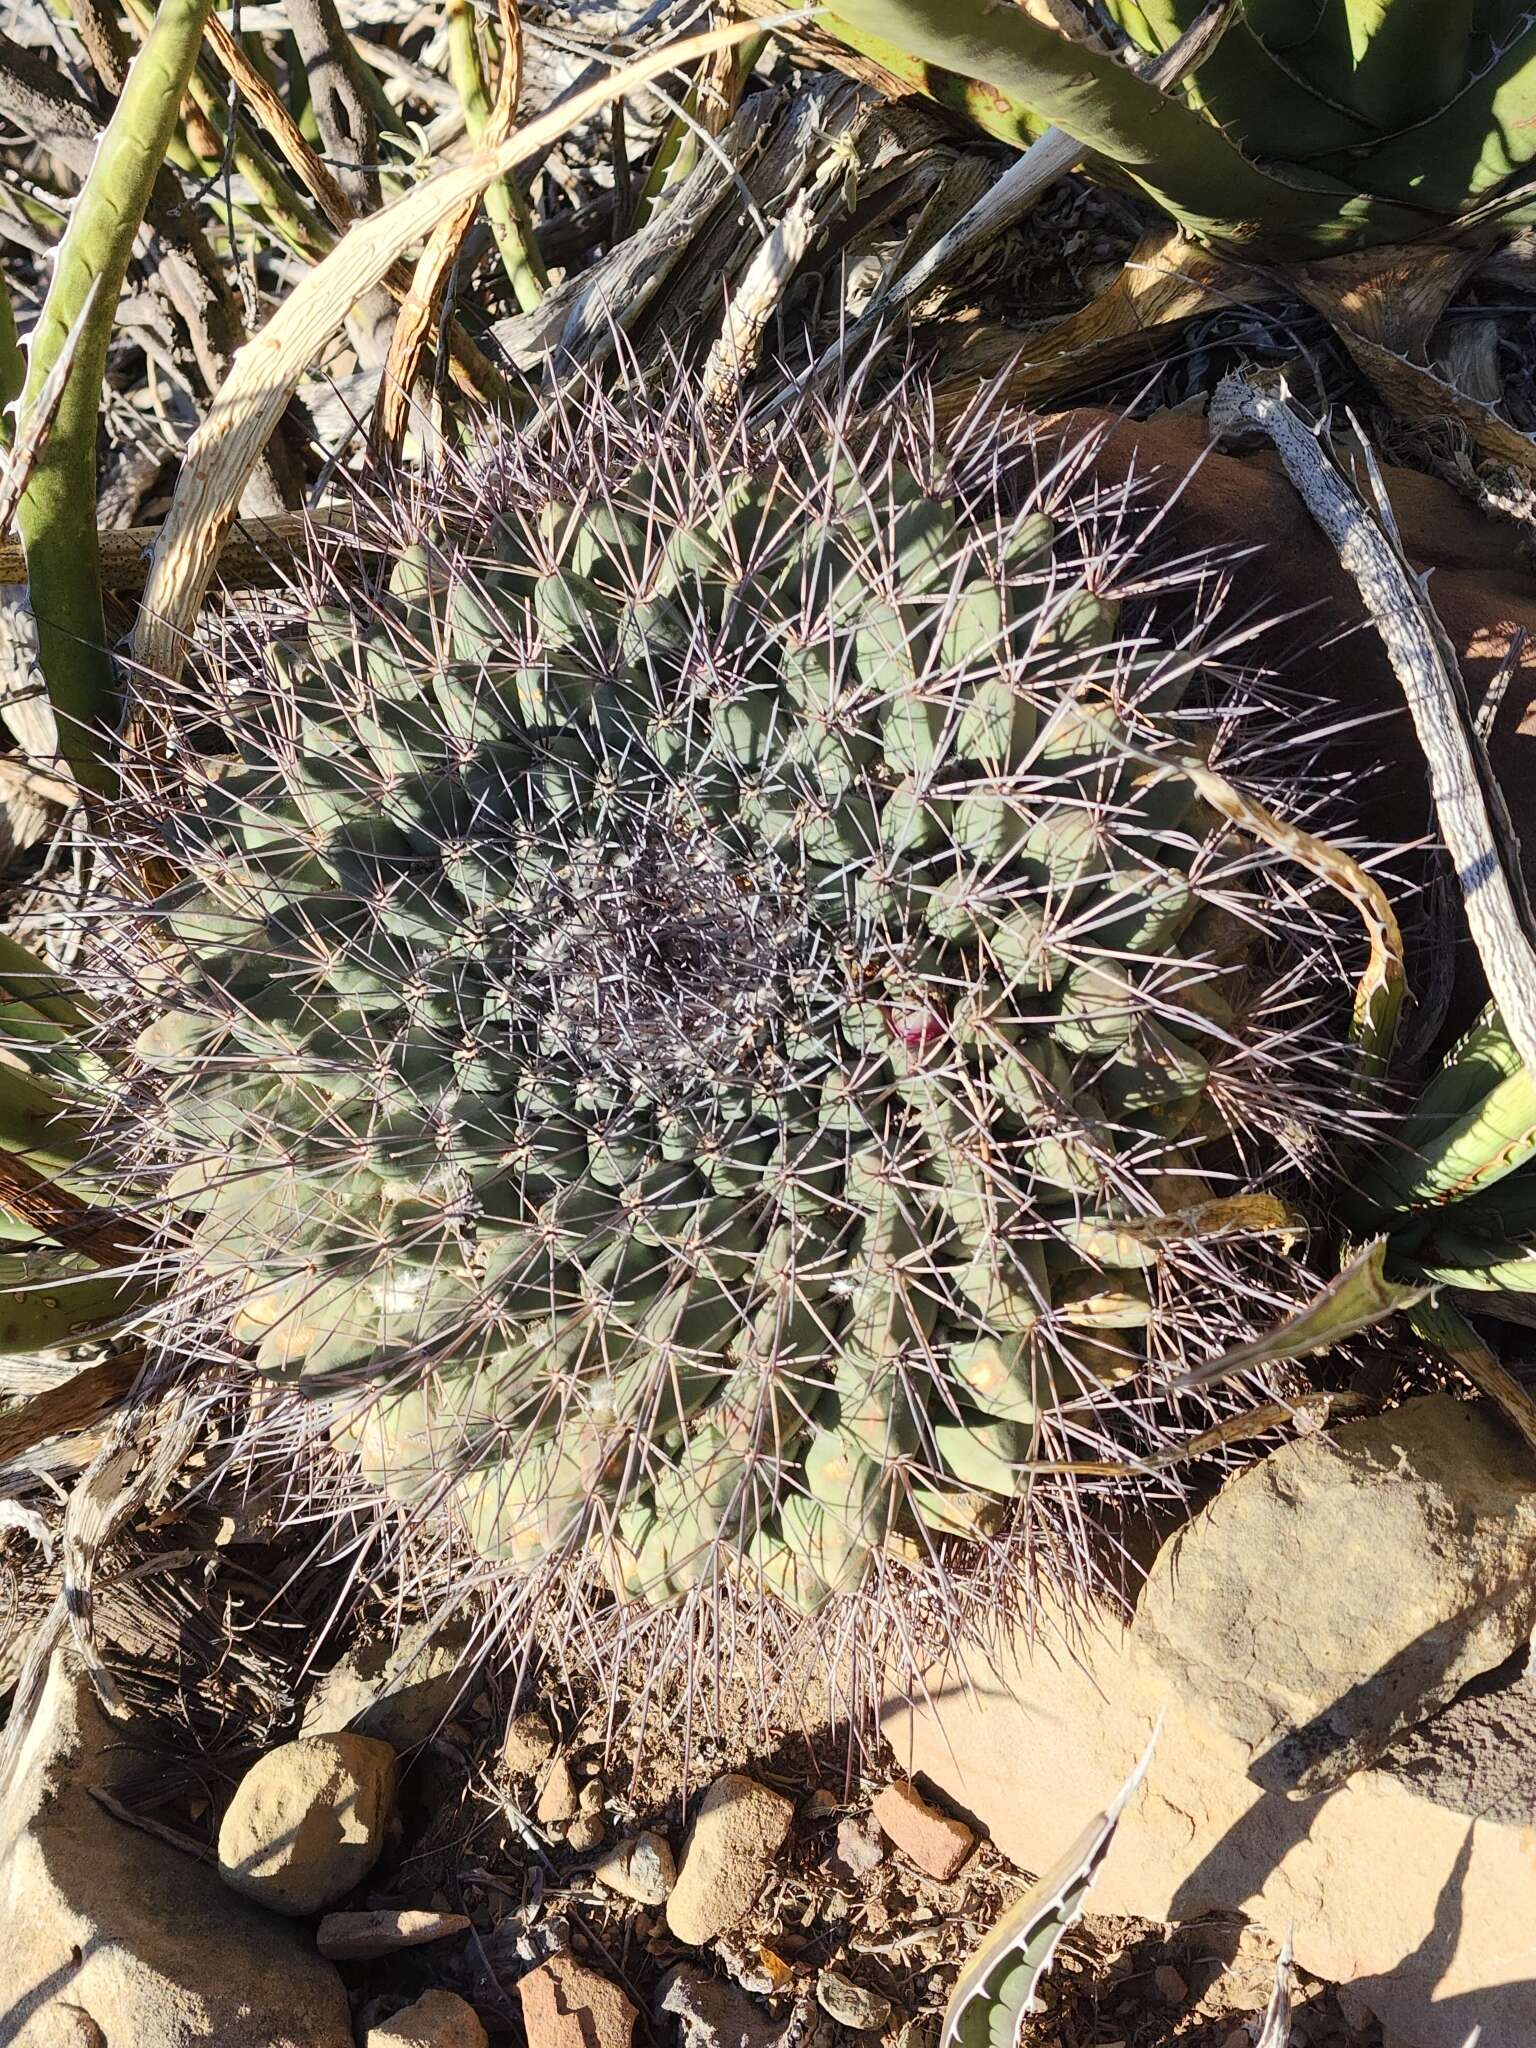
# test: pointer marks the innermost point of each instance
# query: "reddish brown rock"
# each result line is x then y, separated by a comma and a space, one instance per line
934, 1841
567, 2005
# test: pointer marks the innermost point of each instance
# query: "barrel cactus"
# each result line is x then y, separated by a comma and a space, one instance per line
700, 1017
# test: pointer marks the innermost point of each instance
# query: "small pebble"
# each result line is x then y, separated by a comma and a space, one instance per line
936, 1842
558, 1802
640, 1867
528, 1744
850, 2004
585, 1834
860, 1846
591, 1796
1170, 1984
821, 1805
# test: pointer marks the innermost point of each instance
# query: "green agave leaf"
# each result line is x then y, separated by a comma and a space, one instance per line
57, 516
43, 1311
1182, 160
998, 1985
1474, 1123
1485, 132
1251, 83
1356, 1298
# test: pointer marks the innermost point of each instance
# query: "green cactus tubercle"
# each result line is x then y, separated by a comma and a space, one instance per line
673, 1009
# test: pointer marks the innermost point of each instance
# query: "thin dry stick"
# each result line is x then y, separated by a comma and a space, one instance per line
475, 371
1473, 821
418, 311
267, 370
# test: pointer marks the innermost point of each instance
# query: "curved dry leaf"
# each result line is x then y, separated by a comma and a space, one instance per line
266, 371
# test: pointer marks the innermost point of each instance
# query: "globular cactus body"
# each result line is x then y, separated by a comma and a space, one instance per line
683, 994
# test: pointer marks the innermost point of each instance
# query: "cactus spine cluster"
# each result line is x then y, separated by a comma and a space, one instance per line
702, 1017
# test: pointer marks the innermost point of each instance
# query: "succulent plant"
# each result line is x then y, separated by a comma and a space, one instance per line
700, 1015
1306, 126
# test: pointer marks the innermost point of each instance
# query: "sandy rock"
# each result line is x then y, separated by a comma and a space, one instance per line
1348, 1585
1424, 1910
640, 1867
359, 1937
397, 1693
935, 1841
740, 1828
559, 1801
567, 2005
528, 1744
860, 1845
438, 2019
585, 1834
307, 1821
850, 2004
107, 1934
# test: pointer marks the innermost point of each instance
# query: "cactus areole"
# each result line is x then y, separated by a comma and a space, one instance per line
701, 1021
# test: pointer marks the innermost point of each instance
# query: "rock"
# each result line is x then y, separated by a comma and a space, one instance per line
585, 1834
850, 2004
640, 1867
739, 1829
592, 1796
528, 1744
398, 1693
359, 1937
1416, 1907
558, 1800
1170, 1984
307, 1821
438, 2019
1348, 1585
715, 2014
934, 1841
567, 2005
860, 1848
106, 1933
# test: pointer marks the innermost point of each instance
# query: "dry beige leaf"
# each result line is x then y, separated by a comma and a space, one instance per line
266, 371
